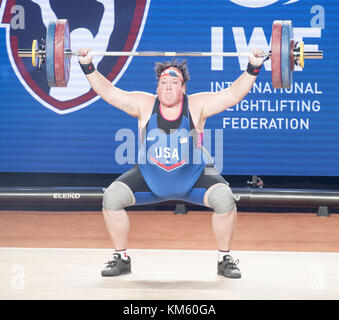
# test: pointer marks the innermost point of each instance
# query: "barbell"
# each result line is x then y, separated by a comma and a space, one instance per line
56, 53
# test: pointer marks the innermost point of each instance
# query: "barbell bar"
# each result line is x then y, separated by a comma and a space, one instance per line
28, 53
307, 54
56, 53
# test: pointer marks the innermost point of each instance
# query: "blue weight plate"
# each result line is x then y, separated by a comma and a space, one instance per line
286, 36
50, 34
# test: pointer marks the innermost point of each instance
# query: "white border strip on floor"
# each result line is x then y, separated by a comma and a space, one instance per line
164, 250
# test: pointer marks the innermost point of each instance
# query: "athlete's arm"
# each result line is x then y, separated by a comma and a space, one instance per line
131, 102
211, 103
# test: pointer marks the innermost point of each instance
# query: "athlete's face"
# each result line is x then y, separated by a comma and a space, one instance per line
170, 91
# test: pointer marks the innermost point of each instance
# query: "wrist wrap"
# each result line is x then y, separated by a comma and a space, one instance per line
253, 70
87, 68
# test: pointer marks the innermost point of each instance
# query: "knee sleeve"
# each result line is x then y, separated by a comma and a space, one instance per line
117, 196
221, 199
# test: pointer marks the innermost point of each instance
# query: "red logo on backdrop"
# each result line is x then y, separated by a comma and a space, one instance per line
102, 25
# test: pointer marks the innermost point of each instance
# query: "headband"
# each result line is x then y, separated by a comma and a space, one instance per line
172, 72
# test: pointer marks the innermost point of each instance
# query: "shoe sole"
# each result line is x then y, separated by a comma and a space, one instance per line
229, 277
116, 275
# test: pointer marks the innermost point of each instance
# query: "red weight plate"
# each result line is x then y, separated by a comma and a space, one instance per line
276, 54
61, 43
67, 46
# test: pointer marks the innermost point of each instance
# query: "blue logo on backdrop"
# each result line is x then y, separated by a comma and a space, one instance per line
102, 25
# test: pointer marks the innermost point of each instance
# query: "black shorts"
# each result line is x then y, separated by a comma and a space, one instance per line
143, 194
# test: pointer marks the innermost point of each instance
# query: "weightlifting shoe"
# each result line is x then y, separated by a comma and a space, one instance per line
228, 267
117, 266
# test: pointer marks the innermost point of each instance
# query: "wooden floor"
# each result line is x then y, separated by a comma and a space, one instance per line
282, 256
165, 230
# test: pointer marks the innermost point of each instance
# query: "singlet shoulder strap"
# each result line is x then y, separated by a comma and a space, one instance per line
156, 106
167, 125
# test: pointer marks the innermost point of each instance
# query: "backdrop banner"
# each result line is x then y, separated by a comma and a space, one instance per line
271, 131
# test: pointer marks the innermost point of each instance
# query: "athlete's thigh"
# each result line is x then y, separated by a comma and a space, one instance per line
208, 178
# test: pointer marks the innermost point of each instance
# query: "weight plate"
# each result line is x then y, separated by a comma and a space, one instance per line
276, 54
61, 62
292, 59
301, 55
286, 36
50, 33
34, 48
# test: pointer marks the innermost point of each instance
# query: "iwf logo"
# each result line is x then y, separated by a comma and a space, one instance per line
102, 25
244, 42
259, 3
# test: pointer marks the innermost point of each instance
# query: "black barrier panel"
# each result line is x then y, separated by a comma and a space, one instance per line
69, 198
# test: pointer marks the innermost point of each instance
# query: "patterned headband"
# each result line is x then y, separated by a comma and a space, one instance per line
172, 72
